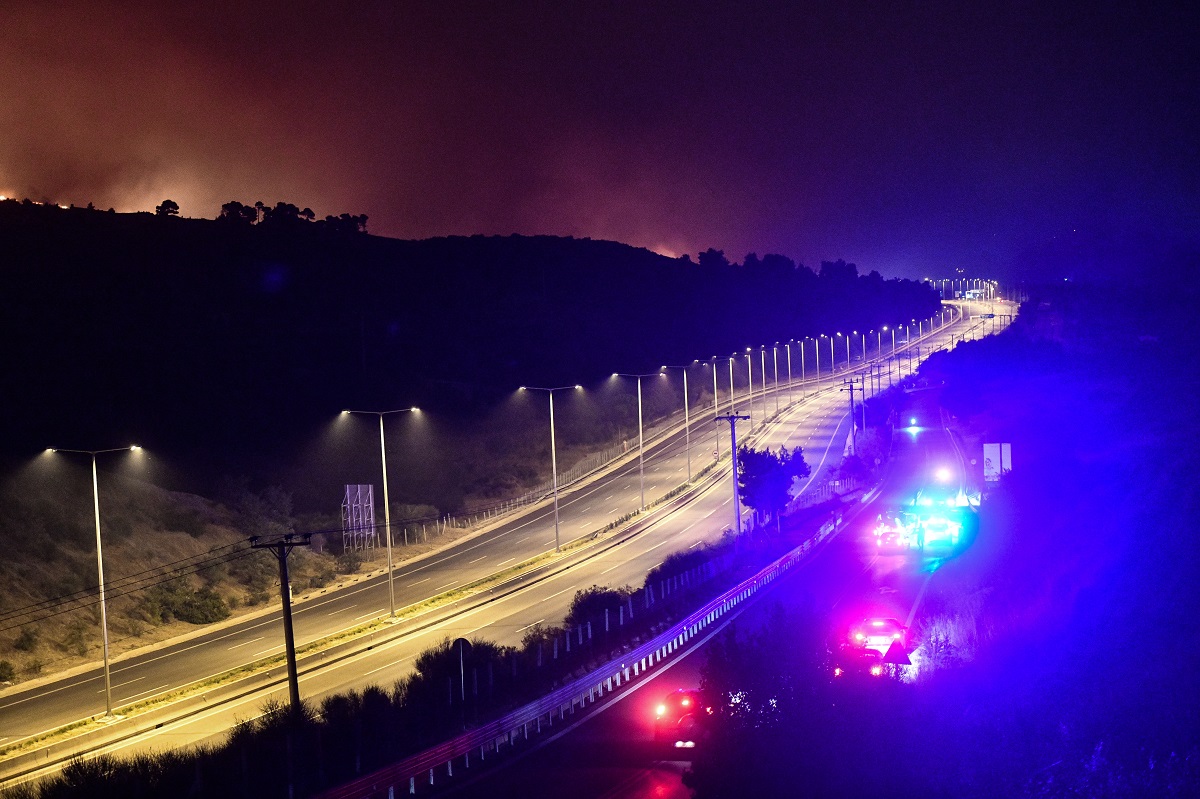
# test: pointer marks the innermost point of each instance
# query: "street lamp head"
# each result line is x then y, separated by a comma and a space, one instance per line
578, 387
51, 449
345, 411
134, 448
521, 388
415, 409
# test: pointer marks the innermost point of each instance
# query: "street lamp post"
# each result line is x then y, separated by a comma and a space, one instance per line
816, 358
892, 357
750, 373
775, 356
687, 434
803, 392
716, 409
108, 711
732, 395
791, 397
762, 355
553, 454
641, 439
832, 363
387, 508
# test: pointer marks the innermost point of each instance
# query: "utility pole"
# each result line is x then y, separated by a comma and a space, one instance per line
849, 386
281, 548
733, 418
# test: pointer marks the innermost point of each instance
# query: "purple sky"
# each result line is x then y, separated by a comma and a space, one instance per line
911, 140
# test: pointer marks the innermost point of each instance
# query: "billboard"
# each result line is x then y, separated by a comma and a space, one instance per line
997, 459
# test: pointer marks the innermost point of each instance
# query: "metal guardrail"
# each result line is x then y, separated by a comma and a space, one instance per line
436, 763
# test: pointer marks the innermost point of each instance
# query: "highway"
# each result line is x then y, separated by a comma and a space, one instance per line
818, 424
611, 752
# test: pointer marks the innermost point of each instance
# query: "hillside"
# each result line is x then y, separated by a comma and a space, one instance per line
225, 344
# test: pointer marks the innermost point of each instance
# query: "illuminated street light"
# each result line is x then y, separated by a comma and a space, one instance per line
775, 356
716, 408
687, 434
108, 711
387, 508
641, 440
553, 455
732, 396
750, 373
763, 363
803, 390
791, 397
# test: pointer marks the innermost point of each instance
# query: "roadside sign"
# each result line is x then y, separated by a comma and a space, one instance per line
997, 459
896, 655
987, 316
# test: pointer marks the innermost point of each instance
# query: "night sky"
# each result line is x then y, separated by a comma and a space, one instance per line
910, 138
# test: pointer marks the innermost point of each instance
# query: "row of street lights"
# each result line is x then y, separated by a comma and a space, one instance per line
553, 449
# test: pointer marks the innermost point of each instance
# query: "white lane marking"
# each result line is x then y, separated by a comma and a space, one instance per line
387, 665
265, 651
689, 527
585, 525
447, 585
469, 562
424, 580
501, 563
656, 546
701, 541
372, 613
343, 610
243, 643
610, 568
122, 684
615, 510
565, 590
143, 693
548, 543
527, 626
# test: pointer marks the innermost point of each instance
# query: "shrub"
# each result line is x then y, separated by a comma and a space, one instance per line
163, 603
202, 607
27, 640
7, 672
590, 603
349, 562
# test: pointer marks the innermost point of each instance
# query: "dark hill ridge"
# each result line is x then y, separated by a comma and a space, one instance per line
210, 336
